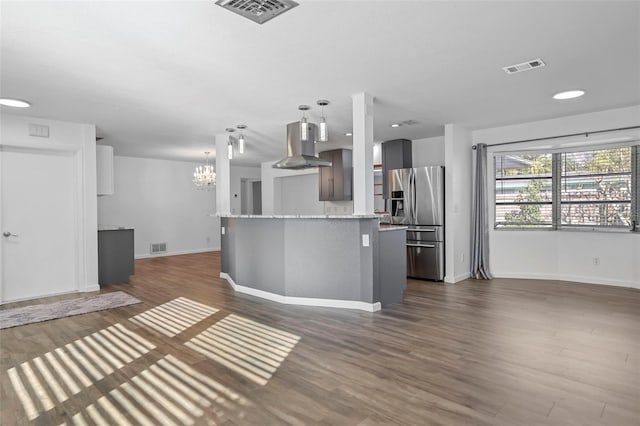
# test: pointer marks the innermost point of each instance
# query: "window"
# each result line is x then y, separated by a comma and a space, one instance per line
596, 188
592, 189
524, 191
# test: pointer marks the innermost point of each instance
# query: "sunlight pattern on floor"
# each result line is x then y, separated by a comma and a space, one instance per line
247, 347
167, 393
174, 317
55, 376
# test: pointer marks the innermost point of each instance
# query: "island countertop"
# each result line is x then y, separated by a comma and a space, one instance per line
387, 227
301, 216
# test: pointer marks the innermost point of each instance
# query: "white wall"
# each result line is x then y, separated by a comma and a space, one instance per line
237, 174
428, 152
158, 199
457, 141
72, 137
296, 192
563, 255
298, 195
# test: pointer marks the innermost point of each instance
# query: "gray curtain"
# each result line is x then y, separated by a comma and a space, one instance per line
480, 232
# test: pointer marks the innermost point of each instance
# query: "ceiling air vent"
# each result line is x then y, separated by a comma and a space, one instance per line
259, 11
525, 66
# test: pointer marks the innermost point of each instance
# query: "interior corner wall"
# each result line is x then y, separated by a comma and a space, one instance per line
271, 186
295, 192
427, 152
298, 195
159, 200
237, 174
561, 255
457, 162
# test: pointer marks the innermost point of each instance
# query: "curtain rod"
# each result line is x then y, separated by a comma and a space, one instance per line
561, 136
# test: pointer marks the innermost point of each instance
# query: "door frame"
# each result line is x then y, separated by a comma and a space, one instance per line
79, 208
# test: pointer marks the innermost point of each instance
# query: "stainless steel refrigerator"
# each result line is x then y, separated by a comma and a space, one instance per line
417, 200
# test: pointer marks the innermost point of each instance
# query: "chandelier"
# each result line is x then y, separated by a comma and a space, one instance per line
205, 176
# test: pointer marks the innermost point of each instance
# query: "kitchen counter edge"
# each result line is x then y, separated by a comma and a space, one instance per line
289, 216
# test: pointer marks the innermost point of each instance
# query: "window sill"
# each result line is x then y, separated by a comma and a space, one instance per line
573, 229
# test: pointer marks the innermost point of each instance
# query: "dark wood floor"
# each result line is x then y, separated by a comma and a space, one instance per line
511, 352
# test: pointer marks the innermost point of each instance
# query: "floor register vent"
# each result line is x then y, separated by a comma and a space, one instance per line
259, 11
158, 248
525, 66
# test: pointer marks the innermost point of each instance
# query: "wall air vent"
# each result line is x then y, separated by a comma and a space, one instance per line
525, 66
259, 11
38, 130
158, 248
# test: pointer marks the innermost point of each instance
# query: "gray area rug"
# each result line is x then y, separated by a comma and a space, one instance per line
64, 308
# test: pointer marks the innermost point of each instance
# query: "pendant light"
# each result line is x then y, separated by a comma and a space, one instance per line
230, 143
304, 130
324, 131
241, 127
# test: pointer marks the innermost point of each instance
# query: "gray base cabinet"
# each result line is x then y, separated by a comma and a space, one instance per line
115, 256
392, 266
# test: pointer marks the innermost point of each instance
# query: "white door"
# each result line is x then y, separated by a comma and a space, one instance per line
38, 223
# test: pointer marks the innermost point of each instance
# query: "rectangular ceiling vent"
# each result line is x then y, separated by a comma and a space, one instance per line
259, 11
158, 248
525, 66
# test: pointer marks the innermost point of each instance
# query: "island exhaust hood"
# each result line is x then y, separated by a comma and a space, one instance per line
300, 154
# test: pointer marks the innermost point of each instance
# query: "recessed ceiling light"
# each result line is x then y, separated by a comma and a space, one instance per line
16, 103
569, 94
348, 134
396, 125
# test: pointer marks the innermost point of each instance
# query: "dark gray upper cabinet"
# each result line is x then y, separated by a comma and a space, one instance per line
336, 181
396, 154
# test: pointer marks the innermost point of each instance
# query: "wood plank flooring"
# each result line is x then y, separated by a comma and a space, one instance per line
505, 352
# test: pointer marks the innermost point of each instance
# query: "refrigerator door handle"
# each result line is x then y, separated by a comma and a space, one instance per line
413, 217
421, 245
421, 230
415, 200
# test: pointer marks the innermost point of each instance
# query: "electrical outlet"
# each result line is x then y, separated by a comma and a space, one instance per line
596, 261
365, 240
222, 230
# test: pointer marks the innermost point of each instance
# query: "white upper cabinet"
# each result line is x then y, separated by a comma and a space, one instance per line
104, 167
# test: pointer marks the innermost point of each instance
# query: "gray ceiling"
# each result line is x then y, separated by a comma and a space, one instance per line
161, 79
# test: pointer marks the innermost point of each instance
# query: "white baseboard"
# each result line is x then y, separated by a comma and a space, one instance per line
303, 301
42, 296
177, 253
574, 278
457, 278
87, 289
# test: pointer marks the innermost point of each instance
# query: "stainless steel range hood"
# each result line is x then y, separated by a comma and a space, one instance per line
300, 154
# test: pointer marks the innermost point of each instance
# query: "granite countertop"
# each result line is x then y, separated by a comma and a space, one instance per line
290, 216
387, 227
114, 228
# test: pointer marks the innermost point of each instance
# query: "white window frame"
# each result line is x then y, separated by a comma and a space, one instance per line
556, 191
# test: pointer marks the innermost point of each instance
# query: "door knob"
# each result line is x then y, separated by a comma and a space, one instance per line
9, 234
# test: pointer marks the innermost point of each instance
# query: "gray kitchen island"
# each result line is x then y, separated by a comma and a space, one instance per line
327, 260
